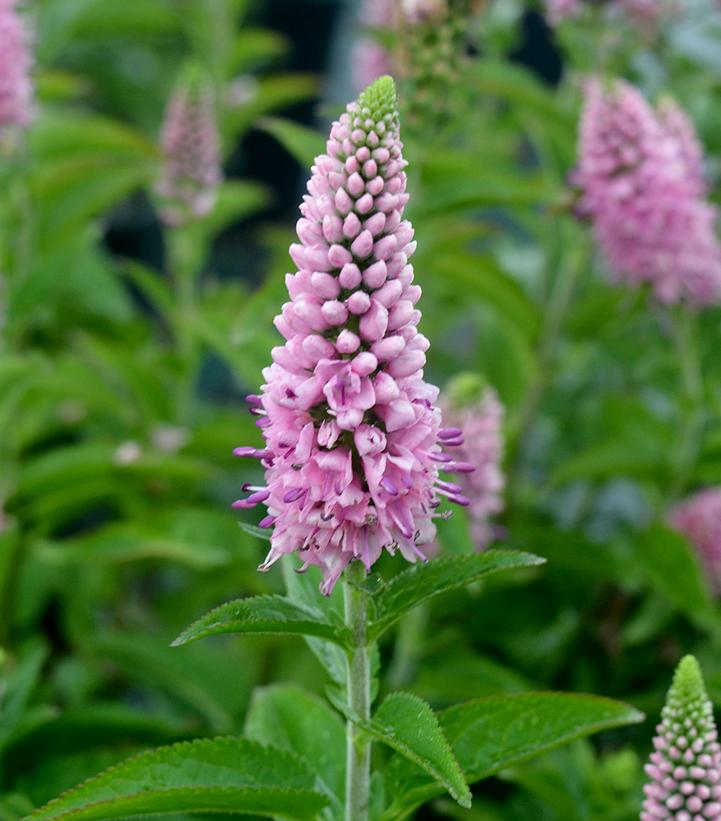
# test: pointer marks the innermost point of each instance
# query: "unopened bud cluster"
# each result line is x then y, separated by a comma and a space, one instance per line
685, 766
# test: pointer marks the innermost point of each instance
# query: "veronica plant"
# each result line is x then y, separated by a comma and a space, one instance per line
353, 448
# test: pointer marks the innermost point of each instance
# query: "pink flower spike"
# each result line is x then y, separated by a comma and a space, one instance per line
692, 789
192, 173
352, 448
16, 88
641, 179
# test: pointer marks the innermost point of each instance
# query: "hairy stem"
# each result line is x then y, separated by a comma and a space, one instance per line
358, 749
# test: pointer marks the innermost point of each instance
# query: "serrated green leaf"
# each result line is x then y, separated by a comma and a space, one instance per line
211, 775
299, 721
492, 733
264, 614
408, 725
417, 584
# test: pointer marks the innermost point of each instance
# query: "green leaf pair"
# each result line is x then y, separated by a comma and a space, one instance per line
296, 740
276, 614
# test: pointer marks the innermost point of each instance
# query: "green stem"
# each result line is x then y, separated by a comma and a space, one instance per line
692, 393
358, 749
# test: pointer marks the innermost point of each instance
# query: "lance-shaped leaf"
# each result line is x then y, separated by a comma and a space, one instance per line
210, 775
264, 614
492, 733
408, 725
411, 587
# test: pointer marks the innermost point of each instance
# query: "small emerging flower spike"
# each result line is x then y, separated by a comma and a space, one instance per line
191, 147
685, 767
353, 438
16, 89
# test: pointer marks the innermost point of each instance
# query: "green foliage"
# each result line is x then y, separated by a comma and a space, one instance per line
302, 143
219, 775
126, 347
264, 614
297, 721
415, 585
408, 725
493, 733
673, 569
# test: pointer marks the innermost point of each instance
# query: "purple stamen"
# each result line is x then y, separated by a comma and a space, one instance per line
294, 494
440, 457
451, 487
449, 433
459, 467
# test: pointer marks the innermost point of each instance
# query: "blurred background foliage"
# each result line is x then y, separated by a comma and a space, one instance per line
127, 348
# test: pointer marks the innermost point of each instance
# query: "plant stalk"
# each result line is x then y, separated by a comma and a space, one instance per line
358, 745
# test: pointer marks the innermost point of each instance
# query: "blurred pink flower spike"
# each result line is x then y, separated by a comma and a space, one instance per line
16, 88
640, 174
192, 170
685, 767
353, 438
481, 421
698, 518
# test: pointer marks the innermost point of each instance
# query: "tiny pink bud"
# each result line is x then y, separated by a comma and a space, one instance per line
358, 302
362, 245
